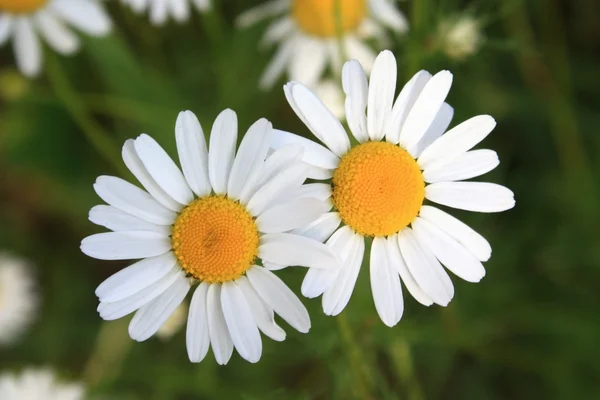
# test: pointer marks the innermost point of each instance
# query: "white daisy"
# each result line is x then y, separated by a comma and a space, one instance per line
460, 36
38, 384
161, 10
379, 187
208, 225
306, 33
18, 298
24, 20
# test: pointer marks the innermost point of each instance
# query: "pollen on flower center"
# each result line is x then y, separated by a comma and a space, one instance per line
21, 6
215, 239
378, 188
318, 17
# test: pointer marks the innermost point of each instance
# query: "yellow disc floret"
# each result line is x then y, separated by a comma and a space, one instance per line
21, 6
378, 188
318, 17
215, 239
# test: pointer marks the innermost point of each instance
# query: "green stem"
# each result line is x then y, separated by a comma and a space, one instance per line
415, 48
93, 132
402, 357
357, 361
213, 23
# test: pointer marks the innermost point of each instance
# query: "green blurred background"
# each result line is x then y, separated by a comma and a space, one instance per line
530, 329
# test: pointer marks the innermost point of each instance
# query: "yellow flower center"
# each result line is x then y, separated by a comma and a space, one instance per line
318, 17
378, 188
215, 239
21, 6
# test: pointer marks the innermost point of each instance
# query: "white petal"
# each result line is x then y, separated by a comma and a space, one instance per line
465, 166
220, 339
320, 191
87, 16
203, 5
162, 169
435, 130
397, 261
277, 32
317, 280
321, 121
289, 178
291, 215
308, 60
314, 153
242, 328
426, 270
280, 160
385, 284
135, 278
138, 169
263, 315
457, 140
196, 336
118, 309
250, 157
338, 295
404, 103
261, 12
278, 296
322, 228
426, 108
132, 200
180, 10
159, 12
359, 50
278, 64
117, 220
193, 153
386, 12
382, 86
6, 27
290, 249
471, 196
356, 87
28, 52
223, 139
126, 245
450, 253
463, 233
58, 36
273, 267
148, 319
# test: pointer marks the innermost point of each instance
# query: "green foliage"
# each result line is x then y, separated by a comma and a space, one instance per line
528, 330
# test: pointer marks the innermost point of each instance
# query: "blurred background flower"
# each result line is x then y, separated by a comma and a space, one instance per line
528, 330
38, 384
161, 10
18, 298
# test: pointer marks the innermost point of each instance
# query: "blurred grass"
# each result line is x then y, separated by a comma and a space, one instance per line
528, 330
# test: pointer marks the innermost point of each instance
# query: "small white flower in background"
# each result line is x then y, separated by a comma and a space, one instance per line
18, 298
161, 10
38, 384
24, 21
174, 323
460, 37
306, 33
209, 225
379, 187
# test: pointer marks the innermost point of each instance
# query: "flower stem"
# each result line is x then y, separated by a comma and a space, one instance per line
96, 136
339, 31
356, 359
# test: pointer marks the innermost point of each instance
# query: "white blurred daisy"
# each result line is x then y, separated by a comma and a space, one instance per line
460, 36
174, 323
38, 384
379, 187
332, 95
209, 225
306, 33
161, 10
18, 299
25, 20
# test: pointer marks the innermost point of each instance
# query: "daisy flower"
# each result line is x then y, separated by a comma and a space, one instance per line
25, 20
161, 10
18, 299
38, 384
210, 224
380, 187
306, 33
